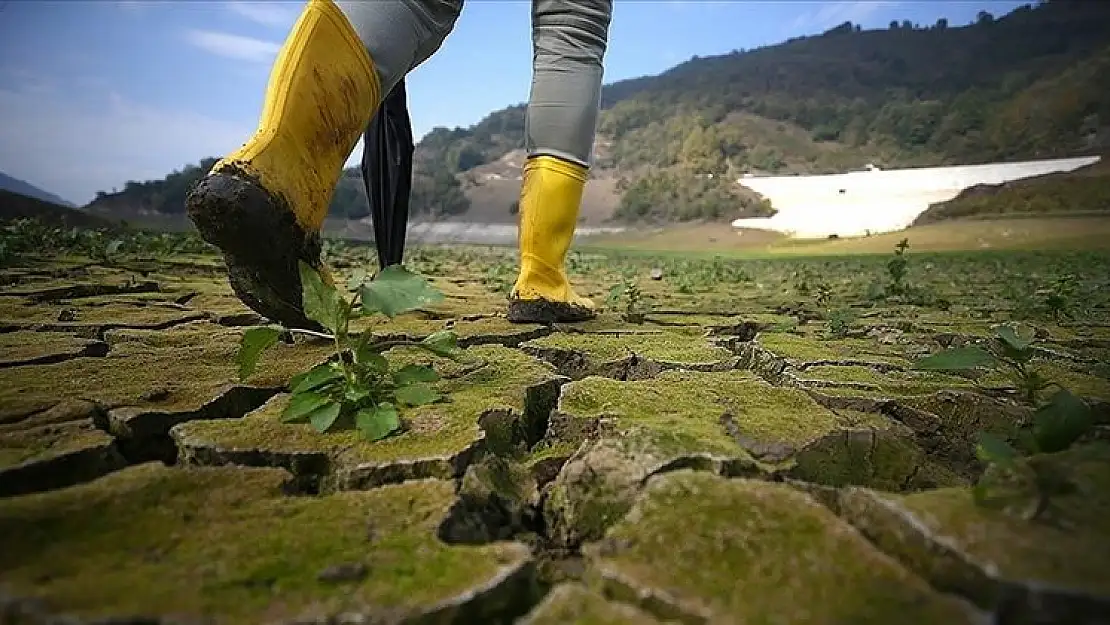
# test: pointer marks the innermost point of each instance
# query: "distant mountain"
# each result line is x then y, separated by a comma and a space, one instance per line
1034, 83
15, 206
15, 185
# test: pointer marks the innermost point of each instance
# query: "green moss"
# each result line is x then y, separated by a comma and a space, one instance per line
24, 445
887, 384
218, 303
417, 326
858, 419
692, 319
224, 541
963, 415
548, 449
882, 459
657, 405
192, 364
805, 349
687, 407
136, 314
754, 552
24, 346
958, 544
727, 421
409, 325
437, 431
1083, 384
574, 604
674, 346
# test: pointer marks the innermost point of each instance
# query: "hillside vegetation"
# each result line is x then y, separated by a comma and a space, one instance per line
1085, 191
1031, 84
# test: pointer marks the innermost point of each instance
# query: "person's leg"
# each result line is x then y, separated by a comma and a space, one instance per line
569, 38
264, 205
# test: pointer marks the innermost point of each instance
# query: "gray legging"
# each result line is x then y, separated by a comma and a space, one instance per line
569, 38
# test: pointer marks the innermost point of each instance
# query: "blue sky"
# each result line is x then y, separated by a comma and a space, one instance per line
94, 92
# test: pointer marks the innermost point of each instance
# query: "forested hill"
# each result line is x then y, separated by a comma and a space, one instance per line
1031, 84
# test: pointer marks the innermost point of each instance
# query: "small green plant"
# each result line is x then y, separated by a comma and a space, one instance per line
108, 253
1010, 353
683, 284
1060, 301
627, 291
1055, 426
1014, 473
896, 268
806, 280
359, 387
499, 277
839, 322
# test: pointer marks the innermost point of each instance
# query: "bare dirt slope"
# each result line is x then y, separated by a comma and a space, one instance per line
493, 188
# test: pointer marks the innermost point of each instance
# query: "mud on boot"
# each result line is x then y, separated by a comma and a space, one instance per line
261, 244
547, 312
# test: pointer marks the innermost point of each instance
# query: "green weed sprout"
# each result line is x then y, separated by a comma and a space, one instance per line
1055, 426
1007, 353
359, 386
628, 291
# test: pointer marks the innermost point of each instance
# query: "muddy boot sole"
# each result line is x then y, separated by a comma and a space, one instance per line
261, 243
547, 312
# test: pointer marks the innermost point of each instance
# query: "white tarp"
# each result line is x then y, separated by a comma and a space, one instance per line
855, 203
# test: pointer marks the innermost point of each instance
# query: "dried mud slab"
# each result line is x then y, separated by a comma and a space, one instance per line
225, 545
697, 548
950, 421
1047, 570
221, 306
70, 291
1079, 380
41, 348
799, 351
90, 321
497, 389
730, 423
55, 448
630, 356
575, 604
470, 332
864, 381
151, 380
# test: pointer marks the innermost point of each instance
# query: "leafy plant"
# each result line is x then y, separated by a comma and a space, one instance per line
839, 322
359, 386
627, 291
1012, 475
1058, 302
1055, 426
896, 269
1008, 353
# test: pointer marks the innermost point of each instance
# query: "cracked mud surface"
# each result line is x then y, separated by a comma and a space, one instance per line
725, 460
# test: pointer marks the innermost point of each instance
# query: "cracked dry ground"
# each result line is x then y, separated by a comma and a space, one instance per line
723, 462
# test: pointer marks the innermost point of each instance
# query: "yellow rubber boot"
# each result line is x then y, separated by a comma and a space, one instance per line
264, 204
550, 199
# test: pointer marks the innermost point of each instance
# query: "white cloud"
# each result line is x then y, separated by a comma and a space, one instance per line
273, 14
830, 14
233, 46
76, 147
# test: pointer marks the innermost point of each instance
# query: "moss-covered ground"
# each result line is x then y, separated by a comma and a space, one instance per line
749, 443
